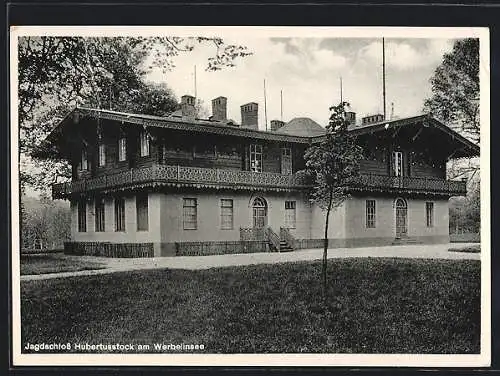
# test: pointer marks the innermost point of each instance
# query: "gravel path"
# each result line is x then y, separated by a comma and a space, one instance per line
113, 265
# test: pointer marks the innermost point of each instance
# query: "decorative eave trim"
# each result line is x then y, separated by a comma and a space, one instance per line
196, 126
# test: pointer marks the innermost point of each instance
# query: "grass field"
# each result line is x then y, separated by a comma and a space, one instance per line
54, 263
375, 306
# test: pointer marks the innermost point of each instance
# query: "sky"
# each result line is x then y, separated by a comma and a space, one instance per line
308, 70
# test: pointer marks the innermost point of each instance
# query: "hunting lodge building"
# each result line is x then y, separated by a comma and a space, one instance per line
147, 186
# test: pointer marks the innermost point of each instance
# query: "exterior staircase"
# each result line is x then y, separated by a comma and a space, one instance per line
406, 241
285, 247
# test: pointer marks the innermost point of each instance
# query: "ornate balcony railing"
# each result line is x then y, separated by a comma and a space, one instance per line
409, 184
181, 176
199, 177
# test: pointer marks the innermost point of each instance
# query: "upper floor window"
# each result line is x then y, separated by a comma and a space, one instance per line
290, 214
190, 214
102, 155
226, 214
82, 216
142, 212
99, 214
119, 214
370, 213
397, 163
84, 163
256, 158
144, 144
122, 149
429, 214
286, 161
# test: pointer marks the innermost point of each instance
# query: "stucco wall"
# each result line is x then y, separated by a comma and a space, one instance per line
385, 218
208, 209
130, 235
336, 226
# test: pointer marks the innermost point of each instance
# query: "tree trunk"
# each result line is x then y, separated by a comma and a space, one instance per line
325, 251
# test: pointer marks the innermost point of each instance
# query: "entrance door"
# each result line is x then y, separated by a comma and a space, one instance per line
401, 218
286, 161
259, 213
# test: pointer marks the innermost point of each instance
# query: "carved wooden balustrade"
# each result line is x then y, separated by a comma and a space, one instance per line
182, 176
409, 184
200, 177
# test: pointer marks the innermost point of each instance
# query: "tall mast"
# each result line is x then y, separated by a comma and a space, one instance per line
281, 103
383, 75
265, 104
195, 82
341, 97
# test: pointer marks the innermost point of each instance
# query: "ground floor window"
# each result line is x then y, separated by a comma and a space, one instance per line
99, 214
141, 204
370, 213
429, 214
190, 214
82, 216
290, 214
226, 214
119, 214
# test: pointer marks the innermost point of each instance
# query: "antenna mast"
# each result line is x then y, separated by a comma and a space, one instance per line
265, 104
341, 97
383, 74
281, 103
195, 82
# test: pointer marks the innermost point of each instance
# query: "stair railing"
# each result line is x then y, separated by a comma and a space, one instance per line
287, 236
273, 238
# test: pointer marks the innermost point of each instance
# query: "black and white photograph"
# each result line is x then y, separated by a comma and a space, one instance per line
242, 196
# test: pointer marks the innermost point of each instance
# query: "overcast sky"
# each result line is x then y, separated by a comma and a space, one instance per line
308, 70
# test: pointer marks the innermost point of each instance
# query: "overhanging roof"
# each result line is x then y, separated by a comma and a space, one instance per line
222, 128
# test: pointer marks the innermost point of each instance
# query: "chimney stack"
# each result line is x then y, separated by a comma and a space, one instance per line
276, 124
219, 109
187, 107
249, 115
350, 116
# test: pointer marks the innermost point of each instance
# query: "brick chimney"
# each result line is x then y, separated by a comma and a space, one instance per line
351, 118
249, 115
187, 107
276, 124
219, 109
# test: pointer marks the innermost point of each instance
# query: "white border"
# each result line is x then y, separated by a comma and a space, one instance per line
377, 360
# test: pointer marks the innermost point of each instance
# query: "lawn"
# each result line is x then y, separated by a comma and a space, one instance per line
54, 263
375, 306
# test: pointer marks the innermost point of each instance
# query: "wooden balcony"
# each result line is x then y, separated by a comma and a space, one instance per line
407, 184
198, 177
181, 176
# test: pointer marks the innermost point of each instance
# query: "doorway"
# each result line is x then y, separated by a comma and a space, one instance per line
401, 218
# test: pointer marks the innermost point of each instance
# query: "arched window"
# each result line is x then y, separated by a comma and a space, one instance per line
259, 212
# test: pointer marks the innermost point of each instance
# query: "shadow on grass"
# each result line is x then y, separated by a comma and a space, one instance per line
376, 305
32, 264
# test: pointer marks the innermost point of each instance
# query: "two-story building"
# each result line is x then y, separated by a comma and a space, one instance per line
177, 185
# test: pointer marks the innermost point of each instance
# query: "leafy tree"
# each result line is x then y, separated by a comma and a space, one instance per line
455, 89
334, 166
57, 73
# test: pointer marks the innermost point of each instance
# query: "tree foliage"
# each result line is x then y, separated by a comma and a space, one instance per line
334, 166
455, 89
45, 223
